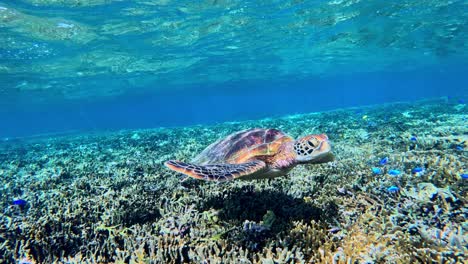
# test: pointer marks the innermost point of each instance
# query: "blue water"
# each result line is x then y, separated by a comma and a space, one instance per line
119, 65
234, 101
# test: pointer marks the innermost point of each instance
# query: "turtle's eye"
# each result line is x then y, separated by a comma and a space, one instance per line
313, 142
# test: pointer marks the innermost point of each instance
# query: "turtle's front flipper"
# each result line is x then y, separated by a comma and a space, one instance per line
216, 172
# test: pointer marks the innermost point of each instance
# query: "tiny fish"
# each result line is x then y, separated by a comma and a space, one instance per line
376, 170
334, 229
19, 202
393, 189
394, 172
464, 176
383, 161
413, 138
460, 148
417, 170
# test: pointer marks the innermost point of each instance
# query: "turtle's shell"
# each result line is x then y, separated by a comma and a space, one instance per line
242, 146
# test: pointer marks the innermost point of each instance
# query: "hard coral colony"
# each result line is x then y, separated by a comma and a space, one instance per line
107, 198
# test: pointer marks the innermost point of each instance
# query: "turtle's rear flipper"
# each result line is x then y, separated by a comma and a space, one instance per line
216, 172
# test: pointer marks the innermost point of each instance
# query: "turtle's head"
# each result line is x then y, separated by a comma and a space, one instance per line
313, 149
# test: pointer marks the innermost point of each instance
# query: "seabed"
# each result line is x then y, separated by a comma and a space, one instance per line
107, 198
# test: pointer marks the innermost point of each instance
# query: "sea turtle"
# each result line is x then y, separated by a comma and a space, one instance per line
254, 154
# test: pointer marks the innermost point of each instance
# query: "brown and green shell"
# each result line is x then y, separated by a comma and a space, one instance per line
243, 146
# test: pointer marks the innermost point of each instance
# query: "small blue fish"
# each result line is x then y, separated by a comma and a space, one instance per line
464, 176
459, 148
19, 202
394, 172
413, 138
418, 171
393, 189
376, 170
383, 161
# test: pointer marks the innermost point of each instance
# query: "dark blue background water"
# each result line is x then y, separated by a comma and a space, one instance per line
234, 101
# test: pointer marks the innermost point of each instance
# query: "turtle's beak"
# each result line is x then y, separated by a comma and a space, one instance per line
324, 143
324, 149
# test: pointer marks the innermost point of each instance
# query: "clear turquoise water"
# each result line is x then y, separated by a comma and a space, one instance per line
94, 65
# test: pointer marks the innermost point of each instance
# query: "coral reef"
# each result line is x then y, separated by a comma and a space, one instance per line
100, 198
